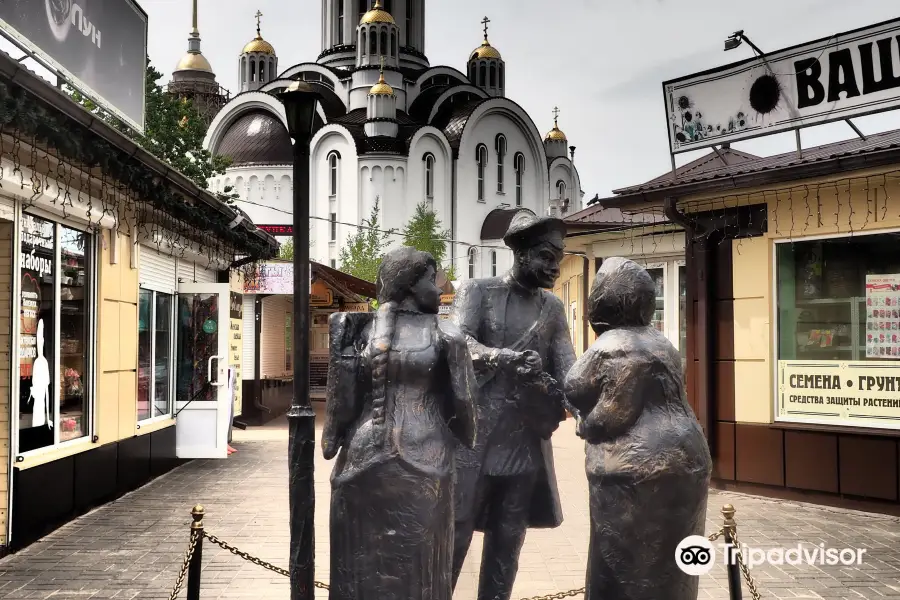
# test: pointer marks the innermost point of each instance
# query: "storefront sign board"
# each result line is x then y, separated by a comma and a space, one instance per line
99, 46
882, 316
856, 394
847, 75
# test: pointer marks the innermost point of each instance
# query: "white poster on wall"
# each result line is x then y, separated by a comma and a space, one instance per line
883, 316
860, 394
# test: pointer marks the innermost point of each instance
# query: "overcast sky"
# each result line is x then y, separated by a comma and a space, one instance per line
601, 61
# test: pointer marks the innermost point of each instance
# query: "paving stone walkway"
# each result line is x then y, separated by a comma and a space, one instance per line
133, 547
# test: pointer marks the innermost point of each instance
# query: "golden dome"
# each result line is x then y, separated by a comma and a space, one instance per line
485, 50
258, 44
382, 88
194, 61
556, 135
377, 15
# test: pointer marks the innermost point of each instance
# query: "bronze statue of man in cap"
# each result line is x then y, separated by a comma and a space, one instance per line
520, 345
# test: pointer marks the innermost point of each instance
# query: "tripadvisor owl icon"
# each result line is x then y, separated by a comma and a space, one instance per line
695, 555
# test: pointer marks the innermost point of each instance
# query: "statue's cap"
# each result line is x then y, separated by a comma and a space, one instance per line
527, 230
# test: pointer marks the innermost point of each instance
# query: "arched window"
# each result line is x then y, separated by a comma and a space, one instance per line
493, 263
409, 22
501, 76
362, 42
393, 44
384, 43
271, 69
500, 147
252, 70
339, 38
481, 159
519, 166
387, 5
363, 9
482, 75
429, 175
333, 160
373, 42
472, 68
472, 252
493, 71
561, 189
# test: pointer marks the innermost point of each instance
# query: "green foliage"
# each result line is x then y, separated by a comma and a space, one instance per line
173, 131
286, 251
364, 250
423, 232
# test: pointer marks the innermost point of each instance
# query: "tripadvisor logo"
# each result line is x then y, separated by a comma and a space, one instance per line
695, 555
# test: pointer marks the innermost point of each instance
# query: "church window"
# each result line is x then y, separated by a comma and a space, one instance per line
500, 144
429, 175
500, 69
387, 5
333, 223
373, 41
362, 42
363, 8
519, 165
472, 68
482, 75
271, 70
384, 43
493, 263
339, 38
472, 252
481, 158
493, 71
393, 44
332, 174
252, 70
561, 189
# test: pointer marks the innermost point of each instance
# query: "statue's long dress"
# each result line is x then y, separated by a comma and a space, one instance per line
648, 466
392, 486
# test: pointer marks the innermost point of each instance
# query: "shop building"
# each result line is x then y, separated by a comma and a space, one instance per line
268, 311
792, 287
110, 300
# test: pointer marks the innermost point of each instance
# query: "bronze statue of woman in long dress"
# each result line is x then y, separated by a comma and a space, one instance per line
648, 463
401, 391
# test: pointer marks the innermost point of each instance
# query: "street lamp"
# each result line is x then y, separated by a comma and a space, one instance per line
300, 101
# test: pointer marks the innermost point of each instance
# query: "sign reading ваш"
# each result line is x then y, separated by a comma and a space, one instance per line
847, 75
863, 394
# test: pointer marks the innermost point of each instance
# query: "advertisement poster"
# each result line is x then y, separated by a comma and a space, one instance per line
36, 320
883, 316
98, 45
861, 394
236, 346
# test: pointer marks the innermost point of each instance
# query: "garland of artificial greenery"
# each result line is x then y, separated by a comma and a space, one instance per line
29, 119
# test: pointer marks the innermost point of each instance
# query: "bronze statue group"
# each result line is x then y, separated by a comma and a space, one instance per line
442, 428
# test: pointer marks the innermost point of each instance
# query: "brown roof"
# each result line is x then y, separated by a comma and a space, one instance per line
726, 157
828, 159
343, 281
609, 218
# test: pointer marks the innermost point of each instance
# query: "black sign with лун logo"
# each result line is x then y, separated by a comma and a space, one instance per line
100, 46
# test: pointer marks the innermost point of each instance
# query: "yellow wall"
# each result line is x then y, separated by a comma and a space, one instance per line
795, 211
572, 273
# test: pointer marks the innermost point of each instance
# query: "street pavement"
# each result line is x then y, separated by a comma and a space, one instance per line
133, 547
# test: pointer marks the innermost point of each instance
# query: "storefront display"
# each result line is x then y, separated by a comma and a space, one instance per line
838, 303
54, 333
155, 313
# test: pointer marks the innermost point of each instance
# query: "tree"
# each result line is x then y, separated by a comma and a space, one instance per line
364, 250
173, 131
423, 232
286, 251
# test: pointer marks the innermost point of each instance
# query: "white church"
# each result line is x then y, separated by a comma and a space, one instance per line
396, 130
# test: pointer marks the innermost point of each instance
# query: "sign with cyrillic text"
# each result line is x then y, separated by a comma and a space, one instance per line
846, 75
858, 393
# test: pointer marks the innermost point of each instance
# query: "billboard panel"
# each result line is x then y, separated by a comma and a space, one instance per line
847, 75
100, 46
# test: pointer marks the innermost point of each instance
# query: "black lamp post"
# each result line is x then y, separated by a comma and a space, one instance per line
300, 101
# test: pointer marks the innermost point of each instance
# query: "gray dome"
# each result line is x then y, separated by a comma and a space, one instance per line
257, 138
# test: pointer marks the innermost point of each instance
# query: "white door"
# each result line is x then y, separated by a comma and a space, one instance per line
202, 394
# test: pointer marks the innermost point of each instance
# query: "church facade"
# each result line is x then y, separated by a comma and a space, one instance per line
395, 131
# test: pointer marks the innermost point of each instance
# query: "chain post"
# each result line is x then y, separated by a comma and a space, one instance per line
729, 531
193, 584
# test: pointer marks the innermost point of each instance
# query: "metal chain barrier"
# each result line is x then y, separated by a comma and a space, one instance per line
729, 531
179, 582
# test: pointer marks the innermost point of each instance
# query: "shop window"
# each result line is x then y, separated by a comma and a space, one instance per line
56, 335
659, 315
156, 314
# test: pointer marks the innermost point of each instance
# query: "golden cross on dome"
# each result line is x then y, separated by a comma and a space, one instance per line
258, 16
485, 22
555, 115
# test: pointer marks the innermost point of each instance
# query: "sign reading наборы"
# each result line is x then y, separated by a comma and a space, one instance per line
861, 394
846, 75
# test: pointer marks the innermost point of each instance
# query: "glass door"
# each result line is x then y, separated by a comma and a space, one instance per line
202, 393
